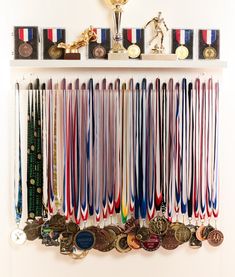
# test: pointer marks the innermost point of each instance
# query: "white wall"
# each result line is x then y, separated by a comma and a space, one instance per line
76, 15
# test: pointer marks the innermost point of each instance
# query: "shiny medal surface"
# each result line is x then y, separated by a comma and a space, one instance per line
209, 37
169, 241
183, 234
176, 225
133, 242
99, 52
143, 234
18, 236
199, 233
121, 244
194, 243
210, 53
72, 227
182, 52
159, 225
84, 240
133, 51
55, 52
152, 244
25, 50
215, 238
207, 231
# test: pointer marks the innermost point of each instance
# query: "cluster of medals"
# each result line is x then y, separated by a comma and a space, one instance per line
118, 166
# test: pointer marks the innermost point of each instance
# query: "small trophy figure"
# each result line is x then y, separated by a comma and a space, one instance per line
158, 50
72, 50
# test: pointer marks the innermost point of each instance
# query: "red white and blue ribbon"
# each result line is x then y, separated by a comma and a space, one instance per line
209, 36
54, 35
25, 34
101, 35
182, 36
134, 35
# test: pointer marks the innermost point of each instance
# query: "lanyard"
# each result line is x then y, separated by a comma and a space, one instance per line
105, 169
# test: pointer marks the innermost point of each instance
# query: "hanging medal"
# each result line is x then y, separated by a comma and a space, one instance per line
18, 236
134, 36
99, 52
55, 36
209, 37
182, 38
25, 35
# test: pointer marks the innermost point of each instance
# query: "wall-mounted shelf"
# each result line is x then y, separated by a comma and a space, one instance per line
138, 64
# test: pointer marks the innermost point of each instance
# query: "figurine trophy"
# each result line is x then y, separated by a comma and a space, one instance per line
118, 52
157, 42
72, 50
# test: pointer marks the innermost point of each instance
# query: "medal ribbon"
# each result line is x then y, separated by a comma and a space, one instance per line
134, 35
182, 36
209, 36
25, 34
101, 35
54, 35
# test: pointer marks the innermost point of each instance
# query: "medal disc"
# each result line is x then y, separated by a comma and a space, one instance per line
78, 254
133, 242
210, 53
159, 225
215, 238
25, 50
32, 231
99, 52
55, 52
199, 233
121, 244
207, 231
182, 52
183, 234
143, 234
18, 236
134, 51
84, 240
194, 243
176, 225
169, 241
152, 244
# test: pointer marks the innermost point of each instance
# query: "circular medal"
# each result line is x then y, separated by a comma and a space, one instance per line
104, 240
194, 243
207, 231
159, 225
143, 234
133, 242
183, 234
134, 51
152, 244
131, 225
199, 233
66, 243
78, 254
18, 236
99, 52
169, 241
32, 230
72, 227
176, 225
182, 52
215, 238
84, 240
210, 53
55, 52
25, 50
121, 244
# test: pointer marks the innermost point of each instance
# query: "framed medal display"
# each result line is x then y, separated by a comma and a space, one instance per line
182, 43
99, 49
133, 41
51, 38
26, 43
209, 44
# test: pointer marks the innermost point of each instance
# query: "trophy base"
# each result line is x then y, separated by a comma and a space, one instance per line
159, 57
72, 56
118, 56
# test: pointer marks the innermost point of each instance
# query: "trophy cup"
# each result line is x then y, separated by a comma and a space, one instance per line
118, 52
158, 50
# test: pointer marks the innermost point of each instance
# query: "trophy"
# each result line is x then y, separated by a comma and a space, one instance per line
157, 42
72, 50
118, 52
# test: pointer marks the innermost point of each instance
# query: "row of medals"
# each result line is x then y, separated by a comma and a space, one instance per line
160, 232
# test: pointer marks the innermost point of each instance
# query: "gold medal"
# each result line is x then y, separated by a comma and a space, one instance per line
133, 51
183, 234
121, 244
55, 52
210, 53
182, 52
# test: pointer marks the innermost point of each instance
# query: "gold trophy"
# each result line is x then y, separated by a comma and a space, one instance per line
72, 50
158, 49
118, 52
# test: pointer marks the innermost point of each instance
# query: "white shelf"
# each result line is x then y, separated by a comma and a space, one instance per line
138, 64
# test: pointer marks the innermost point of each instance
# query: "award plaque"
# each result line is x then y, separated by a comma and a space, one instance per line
99, 49
157, 42
209, 44
118, 52
133, 41
26, 43
51, 39
182, 43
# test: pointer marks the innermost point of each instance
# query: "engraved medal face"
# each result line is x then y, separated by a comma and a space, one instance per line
121, 244
99, 52
18, 236
32, 230
25, 50
84, 240
152, 244
133, 242
55, 52
143, 234
207, 231
159, 225
183, 234
134, 51
182, 52
215, 238
169, 241
194, 243
210, 53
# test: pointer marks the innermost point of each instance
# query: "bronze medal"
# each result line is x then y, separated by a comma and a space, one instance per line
33, 229
72, 227
99, 52
207, 231
210, 53
133, 242
121, 244
25, 50
152, 244
143, 234
183, 234
182, 52
103, 240
169, 241
55, 52
115, 228
134, 51
199, 233
159, 225
215, 238
132, 225
176, 225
